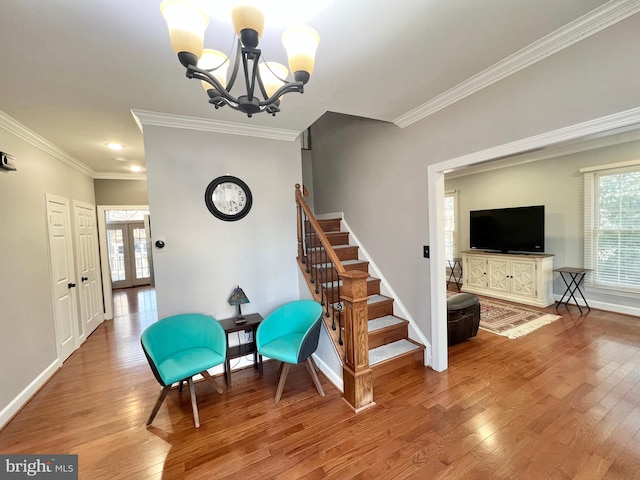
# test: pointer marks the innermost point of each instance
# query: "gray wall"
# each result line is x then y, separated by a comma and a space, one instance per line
204, 257
555, 183
121, 192
27, 342
376, 173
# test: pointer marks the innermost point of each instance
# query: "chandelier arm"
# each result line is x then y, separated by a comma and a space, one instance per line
286, 88
261, 86
195, 72
236, 66
221, 102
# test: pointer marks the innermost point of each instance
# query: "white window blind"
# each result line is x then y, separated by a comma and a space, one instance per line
451, 225
612, 228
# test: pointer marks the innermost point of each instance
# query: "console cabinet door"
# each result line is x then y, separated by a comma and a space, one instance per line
475, 271
523, 278
499, 280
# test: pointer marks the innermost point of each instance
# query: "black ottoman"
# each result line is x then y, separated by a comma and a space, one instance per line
463, 317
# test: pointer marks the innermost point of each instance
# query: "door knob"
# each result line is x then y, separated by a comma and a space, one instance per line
71, 285
84, 279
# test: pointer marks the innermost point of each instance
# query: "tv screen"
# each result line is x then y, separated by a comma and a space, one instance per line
518, 229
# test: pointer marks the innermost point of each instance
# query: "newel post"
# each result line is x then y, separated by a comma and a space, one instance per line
356, 372
300, 233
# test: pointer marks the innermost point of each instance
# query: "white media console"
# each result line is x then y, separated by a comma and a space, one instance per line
521, 278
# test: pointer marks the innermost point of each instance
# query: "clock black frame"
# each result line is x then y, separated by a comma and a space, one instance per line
208, 200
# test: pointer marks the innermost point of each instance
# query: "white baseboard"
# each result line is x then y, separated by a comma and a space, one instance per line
23, 397
333, 376
609, 307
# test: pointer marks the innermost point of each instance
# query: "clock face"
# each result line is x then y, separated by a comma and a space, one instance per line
228, 198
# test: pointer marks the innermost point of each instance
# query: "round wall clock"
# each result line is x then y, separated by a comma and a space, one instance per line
228, 198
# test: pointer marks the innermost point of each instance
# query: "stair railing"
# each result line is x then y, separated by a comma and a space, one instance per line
343, 298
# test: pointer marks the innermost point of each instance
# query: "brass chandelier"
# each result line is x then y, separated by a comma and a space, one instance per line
187, 24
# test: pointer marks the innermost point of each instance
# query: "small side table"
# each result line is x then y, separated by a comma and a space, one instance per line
453, 263
575, 276
251, 325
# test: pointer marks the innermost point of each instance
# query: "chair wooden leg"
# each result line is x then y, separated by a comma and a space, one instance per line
156, 407
211, 380
283, 378
194, 404
312, 370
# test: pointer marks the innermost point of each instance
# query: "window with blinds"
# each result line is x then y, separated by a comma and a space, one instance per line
612, 228
451, 225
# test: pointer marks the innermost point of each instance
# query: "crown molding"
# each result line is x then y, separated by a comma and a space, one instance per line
597, 126
144, 118
598, 19
119, 176
16, 128
617, 136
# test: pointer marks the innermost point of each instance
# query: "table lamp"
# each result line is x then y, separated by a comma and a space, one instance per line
237, 298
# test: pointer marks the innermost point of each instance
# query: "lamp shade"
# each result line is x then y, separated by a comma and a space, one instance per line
187, 24
246, 17
301, 43
273, 75
238, 297
213, 59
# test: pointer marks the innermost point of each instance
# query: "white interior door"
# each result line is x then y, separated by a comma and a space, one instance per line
88, 263
63, 281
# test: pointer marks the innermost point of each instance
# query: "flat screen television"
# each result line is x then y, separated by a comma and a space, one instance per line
518, 229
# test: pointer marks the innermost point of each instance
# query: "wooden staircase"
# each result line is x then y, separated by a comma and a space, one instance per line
390, 347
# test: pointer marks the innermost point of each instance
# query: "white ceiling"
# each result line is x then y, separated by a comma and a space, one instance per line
72, 70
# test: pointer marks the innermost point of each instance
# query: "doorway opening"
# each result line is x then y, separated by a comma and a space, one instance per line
593, 129
125, 250
128, 248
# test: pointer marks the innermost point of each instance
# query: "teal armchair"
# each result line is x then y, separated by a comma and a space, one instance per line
290, 334
180, 347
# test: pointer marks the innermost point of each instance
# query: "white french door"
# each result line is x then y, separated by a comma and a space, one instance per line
128, 246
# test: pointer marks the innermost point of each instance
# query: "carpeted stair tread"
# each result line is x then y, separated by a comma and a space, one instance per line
390, 350
376, 298
383, 322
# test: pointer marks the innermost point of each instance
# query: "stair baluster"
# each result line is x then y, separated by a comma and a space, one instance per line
337, 312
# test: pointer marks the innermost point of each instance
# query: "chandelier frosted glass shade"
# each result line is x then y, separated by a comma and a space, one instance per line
248, 23
217, 63
187, 24
301, 44
272, 74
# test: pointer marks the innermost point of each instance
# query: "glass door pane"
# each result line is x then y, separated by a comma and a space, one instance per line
117, 250
140, 241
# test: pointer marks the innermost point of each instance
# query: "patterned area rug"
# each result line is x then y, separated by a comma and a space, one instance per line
510, 320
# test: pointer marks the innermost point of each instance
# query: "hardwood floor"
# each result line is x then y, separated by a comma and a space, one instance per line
561, 402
